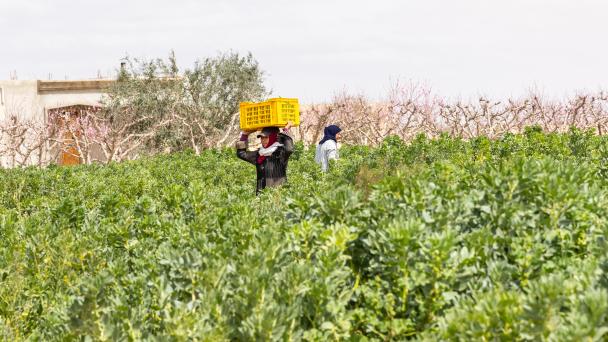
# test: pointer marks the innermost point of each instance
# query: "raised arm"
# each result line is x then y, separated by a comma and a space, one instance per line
241, 149
286, 140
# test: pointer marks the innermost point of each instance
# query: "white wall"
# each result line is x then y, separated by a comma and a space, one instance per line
21, 98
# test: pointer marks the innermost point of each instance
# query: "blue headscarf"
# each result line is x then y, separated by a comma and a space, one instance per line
329, 133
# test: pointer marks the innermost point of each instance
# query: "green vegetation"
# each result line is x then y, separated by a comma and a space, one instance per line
435, 240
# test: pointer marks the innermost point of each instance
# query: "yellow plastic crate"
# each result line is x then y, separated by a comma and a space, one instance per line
274, 112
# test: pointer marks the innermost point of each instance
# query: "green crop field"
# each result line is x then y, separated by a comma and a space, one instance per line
438, 239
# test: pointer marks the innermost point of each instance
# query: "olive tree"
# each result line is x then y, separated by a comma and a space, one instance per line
213, 90
137, 107
154, 107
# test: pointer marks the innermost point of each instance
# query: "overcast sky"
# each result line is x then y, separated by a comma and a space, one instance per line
311, 49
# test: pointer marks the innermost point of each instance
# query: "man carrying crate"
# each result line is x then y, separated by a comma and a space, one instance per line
271, 159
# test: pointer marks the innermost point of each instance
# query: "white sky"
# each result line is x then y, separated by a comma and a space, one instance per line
311, 49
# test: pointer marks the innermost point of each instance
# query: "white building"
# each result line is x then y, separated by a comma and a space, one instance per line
32, 101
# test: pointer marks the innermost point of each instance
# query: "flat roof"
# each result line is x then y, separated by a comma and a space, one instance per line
45, 87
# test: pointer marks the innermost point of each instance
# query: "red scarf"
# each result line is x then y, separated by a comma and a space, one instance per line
272, 138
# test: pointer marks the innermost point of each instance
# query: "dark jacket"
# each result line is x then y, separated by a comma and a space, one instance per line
273, 170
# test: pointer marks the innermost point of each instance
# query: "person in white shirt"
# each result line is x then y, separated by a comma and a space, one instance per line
327, 149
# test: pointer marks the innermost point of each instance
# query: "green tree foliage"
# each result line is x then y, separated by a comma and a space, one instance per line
213, 90
138, 108
438, 239
161, 108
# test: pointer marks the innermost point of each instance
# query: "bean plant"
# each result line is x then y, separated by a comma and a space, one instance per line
437, 239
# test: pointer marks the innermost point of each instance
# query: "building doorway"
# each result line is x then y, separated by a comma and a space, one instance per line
74, 144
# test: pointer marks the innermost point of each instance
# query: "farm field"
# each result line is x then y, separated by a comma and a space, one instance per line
441, 239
